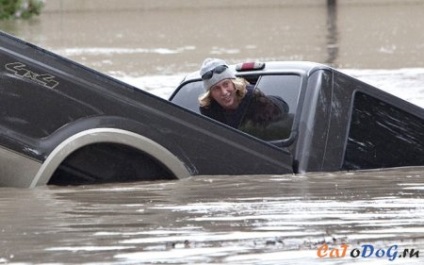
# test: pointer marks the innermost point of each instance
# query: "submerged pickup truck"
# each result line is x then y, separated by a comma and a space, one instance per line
64, 124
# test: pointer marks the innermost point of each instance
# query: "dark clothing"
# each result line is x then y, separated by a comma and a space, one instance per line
255, 114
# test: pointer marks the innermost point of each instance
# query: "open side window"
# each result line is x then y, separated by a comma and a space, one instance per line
284, 86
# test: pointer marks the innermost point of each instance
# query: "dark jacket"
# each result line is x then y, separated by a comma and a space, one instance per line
257, 114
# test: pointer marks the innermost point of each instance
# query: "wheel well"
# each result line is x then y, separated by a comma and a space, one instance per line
101, 155
107, 163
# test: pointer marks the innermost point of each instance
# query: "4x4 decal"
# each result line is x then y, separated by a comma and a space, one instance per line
18, 68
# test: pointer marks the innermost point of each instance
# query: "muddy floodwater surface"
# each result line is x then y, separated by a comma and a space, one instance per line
368, 217
278, 219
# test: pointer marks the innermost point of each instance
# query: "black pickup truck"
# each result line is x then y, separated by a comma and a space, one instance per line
64, 124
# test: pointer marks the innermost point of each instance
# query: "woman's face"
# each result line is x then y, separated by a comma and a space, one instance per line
224, 93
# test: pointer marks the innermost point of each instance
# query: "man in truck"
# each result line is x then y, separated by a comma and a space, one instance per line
239, 104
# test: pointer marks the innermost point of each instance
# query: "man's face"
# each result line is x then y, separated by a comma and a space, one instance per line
224, 93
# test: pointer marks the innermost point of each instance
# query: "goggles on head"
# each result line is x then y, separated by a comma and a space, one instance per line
217, 70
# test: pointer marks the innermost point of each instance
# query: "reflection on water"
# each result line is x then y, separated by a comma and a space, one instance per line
222, 219
226, 219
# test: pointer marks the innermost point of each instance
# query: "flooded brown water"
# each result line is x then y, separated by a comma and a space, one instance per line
220, 219
270, 219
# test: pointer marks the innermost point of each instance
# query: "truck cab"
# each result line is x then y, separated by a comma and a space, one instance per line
336, 121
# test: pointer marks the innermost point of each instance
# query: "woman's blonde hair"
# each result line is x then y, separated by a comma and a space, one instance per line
239, 83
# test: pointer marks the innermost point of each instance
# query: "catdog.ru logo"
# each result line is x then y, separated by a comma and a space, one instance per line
366, 251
